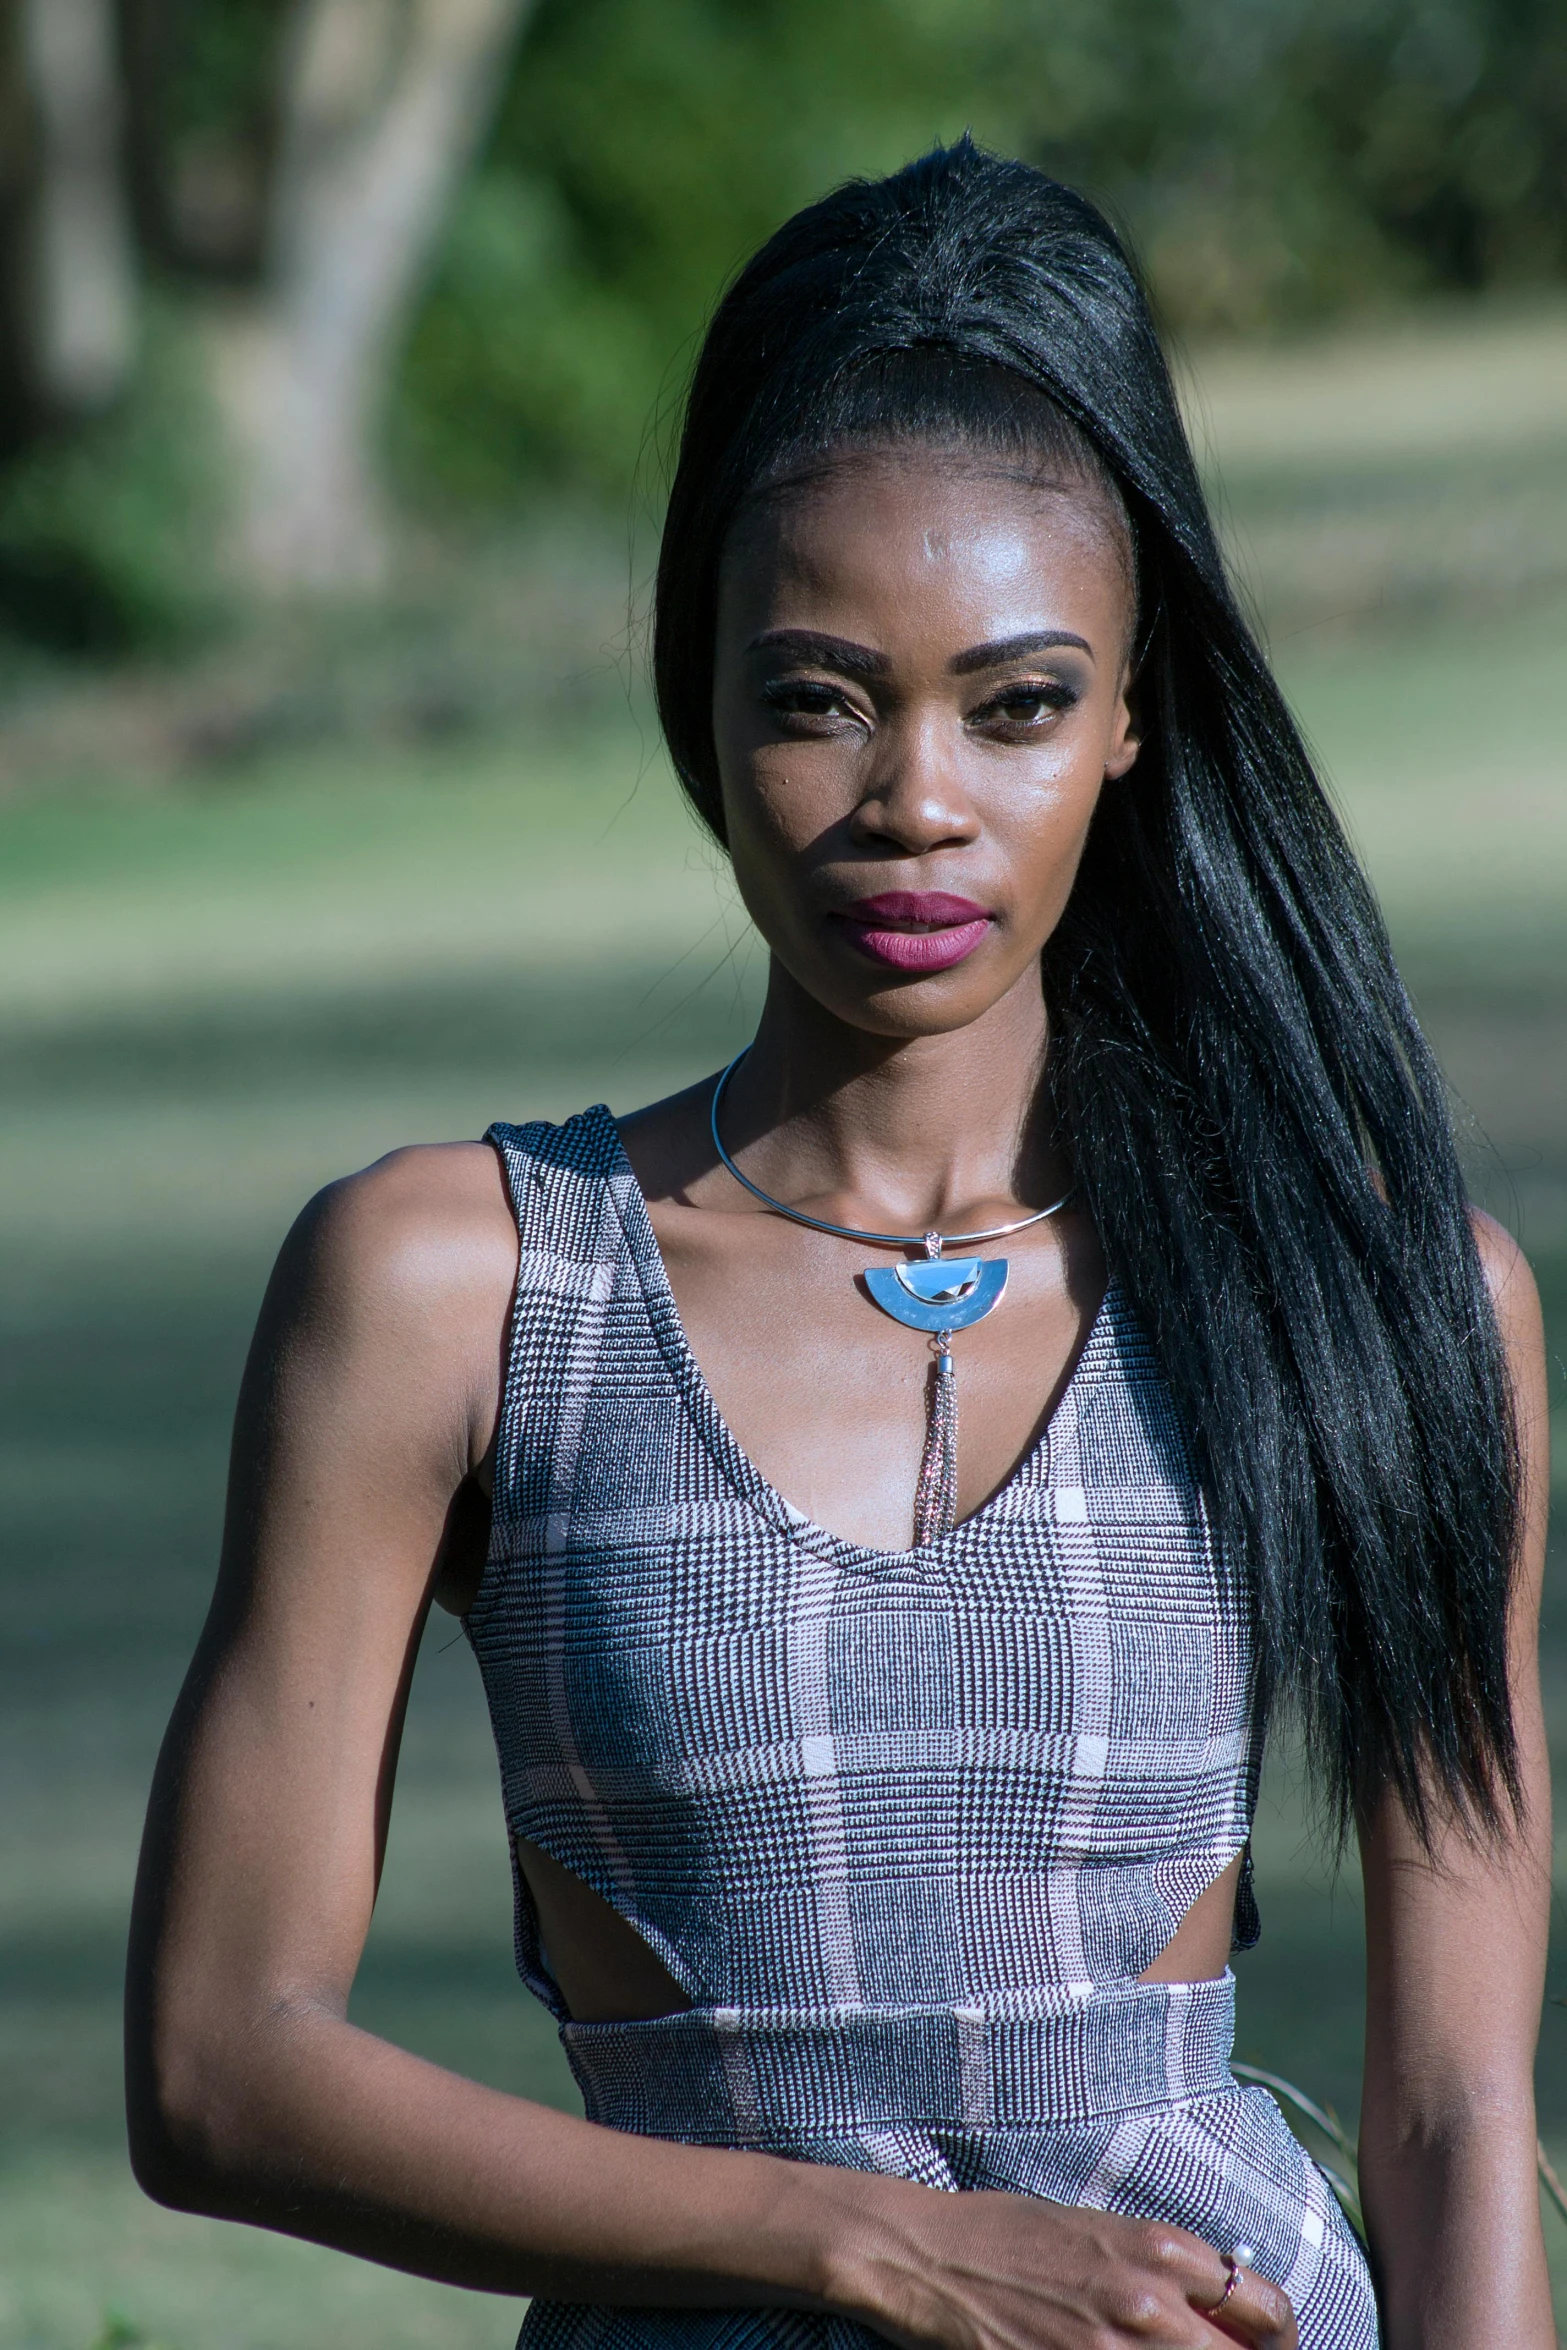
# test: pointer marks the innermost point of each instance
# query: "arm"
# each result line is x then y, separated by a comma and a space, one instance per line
370, 1396
1455, 1977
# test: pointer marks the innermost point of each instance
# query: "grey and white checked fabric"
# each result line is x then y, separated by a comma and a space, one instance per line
904, 1826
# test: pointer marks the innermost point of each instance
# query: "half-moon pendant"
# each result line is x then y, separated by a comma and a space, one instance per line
938, 1295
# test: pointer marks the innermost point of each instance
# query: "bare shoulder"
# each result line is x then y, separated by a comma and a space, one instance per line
1514, 1293
424, 1218
398, 1280
1516, 1299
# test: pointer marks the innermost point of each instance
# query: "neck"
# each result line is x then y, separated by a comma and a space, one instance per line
899, 1133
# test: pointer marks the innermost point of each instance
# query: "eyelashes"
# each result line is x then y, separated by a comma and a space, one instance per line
1047, 695
1025, 706
798, 698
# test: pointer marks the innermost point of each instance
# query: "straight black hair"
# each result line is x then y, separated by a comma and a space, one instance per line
1258, 1128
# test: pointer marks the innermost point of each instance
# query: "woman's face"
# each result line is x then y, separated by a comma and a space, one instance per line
920, 689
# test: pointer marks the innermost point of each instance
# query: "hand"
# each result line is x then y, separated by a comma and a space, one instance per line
1006, 2272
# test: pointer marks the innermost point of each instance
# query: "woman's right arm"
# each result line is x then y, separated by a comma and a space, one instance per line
370, 1396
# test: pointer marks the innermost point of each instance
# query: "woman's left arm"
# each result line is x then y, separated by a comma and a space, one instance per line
1455, 1948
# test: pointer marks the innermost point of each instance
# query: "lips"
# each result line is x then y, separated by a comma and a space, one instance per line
915, 930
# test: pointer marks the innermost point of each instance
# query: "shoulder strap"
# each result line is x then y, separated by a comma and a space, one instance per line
571, 1244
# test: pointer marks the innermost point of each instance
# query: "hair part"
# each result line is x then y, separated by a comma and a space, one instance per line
1257, 1124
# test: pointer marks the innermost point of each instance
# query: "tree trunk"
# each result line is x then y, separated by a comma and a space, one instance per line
383, 104
17, 405
79, 279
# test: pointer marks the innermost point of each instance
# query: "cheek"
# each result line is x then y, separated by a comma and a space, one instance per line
785, 794
1043, 808
763, 827
1041, 832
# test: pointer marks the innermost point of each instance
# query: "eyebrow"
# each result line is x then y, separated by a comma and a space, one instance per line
852, 660
1017, 648
833, 652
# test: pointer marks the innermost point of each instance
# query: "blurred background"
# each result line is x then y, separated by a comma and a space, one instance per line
340, 343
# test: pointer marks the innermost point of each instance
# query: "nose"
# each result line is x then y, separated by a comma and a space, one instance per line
914, 799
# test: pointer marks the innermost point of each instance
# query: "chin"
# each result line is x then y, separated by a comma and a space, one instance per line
906, 1008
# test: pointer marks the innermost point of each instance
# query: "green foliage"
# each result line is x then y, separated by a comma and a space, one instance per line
1185, 118
1275, 160
104, 533
219, 60
642, 152
1282, 158
201, 92
121, 2333
524, 366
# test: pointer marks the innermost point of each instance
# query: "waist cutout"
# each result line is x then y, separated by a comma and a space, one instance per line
1047, 2059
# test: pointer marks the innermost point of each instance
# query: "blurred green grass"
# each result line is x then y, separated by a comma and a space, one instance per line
211, 1001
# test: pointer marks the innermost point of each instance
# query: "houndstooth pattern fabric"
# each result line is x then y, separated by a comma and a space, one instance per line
904, 1826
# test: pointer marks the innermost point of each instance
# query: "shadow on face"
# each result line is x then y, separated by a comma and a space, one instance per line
920, 689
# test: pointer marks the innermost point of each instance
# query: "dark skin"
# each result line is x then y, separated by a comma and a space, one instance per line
928, 746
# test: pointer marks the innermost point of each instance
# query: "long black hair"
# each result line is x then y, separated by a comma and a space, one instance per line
1258, 1128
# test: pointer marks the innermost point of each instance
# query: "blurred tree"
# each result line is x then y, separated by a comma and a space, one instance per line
289, 164
298, 163
202, 82
1275, 160
381, 107
16, 125
69, 299
1449, 124
297, 175
1280, 159
644, 148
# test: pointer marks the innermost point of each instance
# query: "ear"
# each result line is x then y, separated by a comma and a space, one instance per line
1126, 736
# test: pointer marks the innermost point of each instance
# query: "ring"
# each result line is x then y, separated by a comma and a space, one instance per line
1238, 2260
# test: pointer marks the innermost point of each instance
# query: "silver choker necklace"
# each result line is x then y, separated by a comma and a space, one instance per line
937, 1294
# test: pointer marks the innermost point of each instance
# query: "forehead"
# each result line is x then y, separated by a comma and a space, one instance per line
971, 541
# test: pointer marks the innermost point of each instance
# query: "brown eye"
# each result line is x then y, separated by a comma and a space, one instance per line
1024, 708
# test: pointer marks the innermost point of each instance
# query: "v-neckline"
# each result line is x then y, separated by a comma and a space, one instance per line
725, 1446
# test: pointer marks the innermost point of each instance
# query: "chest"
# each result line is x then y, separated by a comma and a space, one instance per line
658, 1598
829, 1395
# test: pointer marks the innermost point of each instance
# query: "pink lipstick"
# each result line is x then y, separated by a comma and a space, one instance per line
915, 930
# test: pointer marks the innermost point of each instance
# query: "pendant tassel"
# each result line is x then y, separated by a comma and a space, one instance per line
936, 1495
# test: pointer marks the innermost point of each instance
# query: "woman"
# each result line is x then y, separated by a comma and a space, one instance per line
915, 1462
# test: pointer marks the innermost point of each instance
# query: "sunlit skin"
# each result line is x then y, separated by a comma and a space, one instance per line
871, 1098
923, 683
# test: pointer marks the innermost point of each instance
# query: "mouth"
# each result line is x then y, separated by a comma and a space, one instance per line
915, 930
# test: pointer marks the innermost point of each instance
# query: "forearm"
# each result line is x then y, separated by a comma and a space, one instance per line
1452, 2208
325, 2132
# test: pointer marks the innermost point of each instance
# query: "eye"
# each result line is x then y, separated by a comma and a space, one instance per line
808, 698
1028, 706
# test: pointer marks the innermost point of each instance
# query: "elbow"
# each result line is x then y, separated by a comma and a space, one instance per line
201, 2116
162, 2169
180, 2119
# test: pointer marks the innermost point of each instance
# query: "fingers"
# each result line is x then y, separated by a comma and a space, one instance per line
1256, 2313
